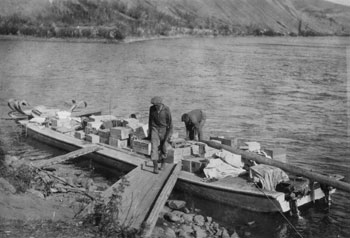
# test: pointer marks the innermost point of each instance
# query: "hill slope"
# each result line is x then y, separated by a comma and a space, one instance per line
120, 18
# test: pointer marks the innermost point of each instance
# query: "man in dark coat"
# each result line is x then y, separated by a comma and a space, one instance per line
194, 122
160, 129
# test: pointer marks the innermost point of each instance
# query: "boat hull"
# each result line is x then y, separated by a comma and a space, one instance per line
234, 193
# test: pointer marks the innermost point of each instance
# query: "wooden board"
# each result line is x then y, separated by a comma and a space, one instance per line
152, 218
71, 155
141, 188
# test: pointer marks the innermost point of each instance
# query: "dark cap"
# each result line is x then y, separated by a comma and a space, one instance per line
156, 100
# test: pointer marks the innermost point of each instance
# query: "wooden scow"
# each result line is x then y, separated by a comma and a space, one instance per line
322, 179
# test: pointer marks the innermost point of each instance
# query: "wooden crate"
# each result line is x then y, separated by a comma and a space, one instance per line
105, 133
178, 142
141, 131
79, 134
193, 165
187, 165
121, 133
177, 154
225, 140
63, 130
142, 146
279, 154
108, 124
197, 166
104, 140
61, 123
92, 138
118, 143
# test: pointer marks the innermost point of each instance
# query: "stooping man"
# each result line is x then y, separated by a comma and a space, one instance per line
194, 122
160, 130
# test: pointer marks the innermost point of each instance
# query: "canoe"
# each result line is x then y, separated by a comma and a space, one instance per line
235, 191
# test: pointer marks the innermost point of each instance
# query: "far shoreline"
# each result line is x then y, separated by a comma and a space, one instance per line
127, 40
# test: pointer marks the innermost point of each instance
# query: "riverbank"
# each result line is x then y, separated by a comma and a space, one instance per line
45, 202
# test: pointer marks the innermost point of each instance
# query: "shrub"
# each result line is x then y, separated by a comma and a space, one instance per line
106, 216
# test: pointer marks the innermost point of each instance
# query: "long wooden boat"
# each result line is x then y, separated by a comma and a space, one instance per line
236, 191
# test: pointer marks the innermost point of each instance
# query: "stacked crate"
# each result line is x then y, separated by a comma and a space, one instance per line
92, 138
142, 146
141, 131
177, 154
80, 135
193, 165
104, 135
63, 125
119, 136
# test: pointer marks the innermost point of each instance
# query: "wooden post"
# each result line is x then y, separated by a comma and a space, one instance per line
287, 167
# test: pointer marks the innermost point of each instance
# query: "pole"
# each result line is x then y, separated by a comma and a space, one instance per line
287, 167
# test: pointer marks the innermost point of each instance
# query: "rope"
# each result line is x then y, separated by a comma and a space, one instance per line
289, 223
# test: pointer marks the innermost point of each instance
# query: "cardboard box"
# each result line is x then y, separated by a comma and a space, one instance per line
92, 138
118, 143
121, 133
142, 146
79, 135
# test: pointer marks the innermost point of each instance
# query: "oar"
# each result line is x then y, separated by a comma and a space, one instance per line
287, 167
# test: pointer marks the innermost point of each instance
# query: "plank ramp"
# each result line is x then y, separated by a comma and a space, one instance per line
71, 155
157, 207
143, 195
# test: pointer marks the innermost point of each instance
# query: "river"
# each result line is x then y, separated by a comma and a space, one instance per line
292, 93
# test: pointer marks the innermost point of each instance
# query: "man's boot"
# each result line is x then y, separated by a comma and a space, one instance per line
155, 167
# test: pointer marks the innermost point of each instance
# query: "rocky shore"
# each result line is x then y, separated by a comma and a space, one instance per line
37, 202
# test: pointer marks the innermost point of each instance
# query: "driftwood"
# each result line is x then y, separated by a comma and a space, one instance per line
71, 187
323, 179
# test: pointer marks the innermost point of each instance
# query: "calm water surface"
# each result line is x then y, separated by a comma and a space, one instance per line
285, 92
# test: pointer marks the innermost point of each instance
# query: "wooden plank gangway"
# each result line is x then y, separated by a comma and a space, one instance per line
143, 195
71, 155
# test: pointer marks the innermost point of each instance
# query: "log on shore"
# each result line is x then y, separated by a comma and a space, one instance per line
322, 179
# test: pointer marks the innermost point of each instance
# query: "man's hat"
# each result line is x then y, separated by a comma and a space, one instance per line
156, 100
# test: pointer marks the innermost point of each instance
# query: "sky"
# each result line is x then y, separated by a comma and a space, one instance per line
344, 2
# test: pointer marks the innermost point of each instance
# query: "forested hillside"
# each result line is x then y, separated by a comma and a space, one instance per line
117, 19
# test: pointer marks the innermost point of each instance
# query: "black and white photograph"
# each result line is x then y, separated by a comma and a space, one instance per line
175, 118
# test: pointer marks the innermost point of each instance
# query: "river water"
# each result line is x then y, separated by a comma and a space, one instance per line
292, 93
